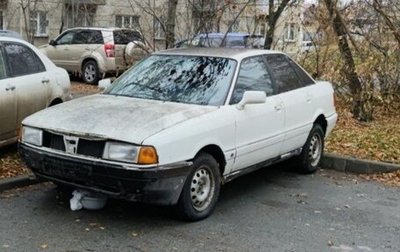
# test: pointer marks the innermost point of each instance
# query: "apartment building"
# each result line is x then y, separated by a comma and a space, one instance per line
39, 21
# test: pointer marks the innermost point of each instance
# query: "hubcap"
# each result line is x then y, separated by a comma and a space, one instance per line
315, 150
202, 188
90, 72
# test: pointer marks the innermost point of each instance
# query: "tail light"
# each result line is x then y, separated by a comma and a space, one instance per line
109, 49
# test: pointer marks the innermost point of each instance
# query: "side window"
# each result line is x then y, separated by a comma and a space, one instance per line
66, 39
285, 76
81, 37
253, 76
3, 73
96, 37
22, 60
304, 77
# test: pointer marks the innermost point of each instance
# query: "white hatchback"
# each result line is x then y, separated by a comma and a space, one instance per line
29, 82
182, 122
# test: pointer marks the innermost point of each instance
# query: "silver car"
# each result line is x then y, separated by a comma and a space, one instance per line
93, 52
29, 82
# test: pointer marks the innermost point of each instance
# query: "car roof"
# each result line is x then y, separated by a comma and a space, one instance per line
14, 39
233, 53
10, 34
100, 28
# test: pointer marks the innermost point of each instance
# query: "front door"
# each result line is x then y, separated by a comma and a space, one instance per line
60, 53
259, 127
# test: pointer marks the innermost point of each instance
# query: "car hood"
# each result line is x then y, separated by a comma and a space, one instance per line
114, 117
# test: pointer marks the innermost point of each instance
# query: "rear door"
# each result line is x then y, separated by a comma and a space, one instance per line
293, 90
85, 42
8, 103
29, 77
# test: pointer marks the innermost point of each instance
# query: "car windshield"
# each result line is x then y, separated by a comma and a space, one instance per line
175, 78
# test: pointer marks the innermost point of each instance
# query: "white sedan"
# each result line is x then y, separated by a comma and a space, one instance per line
29, 82
182, 122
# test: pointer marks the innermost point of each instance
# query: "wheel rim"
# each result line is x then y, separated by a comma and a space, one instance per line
90, 72
202, 188
315, 150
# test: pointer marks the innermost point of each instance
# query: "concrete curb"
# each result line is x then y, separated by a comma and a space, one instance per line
353, 165
329, 161
19, 181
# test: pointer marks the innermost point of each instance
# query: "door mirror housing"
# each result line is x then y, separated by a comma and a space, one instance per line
104, 84
252, 97
52, 42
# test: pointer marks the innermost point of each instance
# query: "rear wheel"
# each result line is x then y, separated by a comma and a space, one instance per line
90, 72
201, 190
312, 152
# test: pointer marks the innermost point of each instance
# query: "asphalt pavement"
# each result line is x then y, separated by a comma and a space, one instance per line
269, 210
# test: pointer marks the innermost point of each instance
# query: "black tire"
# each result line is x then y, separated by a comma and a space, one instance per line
90, 72
312, 151
205, 170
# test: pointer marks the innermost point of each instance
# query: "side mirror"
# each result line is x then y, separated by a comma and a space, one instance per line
52, 42
104, 84
251, 97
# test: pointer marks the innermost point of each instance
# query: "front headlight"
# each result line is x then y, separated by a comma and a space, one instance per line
130, 153
32, 136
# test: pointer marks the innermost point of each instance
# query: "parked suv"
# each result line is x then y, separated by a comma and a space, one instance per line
175, 127
94, 52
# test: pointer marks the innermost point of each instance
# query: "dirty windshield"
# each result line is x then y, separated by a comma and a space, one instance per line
175, 78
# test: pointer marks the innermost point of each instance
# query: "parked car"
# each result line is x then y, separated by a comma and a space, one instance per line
93, 52
181, 123
29, 82
230, 40
10, 34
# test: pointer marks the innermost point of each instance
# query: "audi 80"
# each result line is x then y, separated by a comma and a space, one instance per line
181, 123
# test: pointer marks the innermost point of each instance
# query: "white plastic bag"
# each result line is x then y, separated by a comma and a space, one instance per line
75, 201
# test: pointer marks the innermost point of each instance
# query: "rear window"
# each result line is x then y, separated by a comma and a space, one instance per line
123, 37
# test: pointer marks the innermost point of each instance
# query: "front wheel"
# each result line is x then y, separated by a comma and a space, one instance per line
90, 72
312, 152
201, 190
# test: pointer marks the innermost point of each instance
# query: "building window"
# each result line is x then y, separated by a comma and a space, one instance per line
39, 23
1, 20
235, 25
127, 22
80, 15
290, 33
159, 32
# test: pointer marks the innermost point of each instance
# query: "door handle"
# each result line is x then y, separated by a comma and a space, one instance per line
308, 98
44, 81
10, 88
278, 107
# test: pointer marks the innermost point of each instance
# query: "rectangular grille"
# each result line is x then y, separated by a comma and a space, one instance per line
93, 148
53, 141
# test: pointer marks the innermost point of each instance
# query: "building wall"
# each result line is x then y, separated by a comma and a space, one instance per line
106, 11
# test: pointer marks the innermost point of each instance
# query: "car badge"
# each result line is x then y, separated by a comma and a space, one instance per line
71, 144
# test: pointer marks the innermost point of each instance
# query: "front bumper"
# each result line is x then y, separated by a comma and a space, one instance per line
161, 185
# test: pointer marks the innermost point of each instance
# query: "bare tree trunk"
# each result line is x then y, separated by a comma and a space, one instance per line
360, 108
273, 16
171, 18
